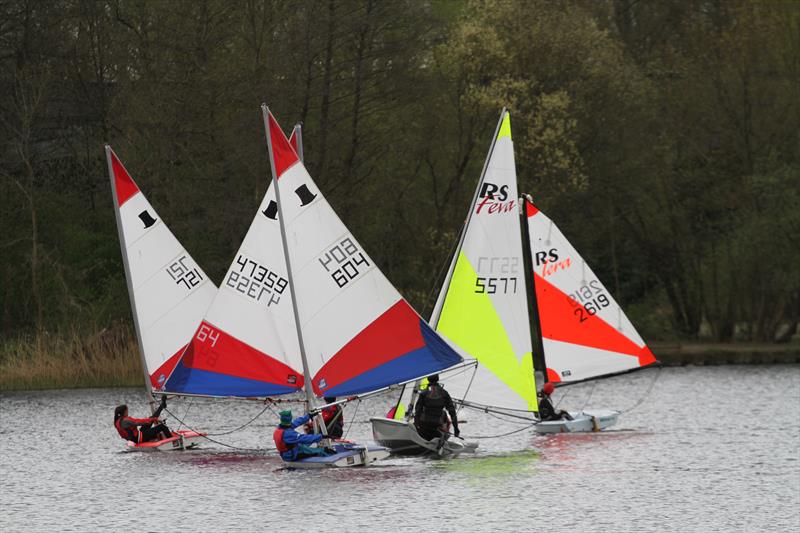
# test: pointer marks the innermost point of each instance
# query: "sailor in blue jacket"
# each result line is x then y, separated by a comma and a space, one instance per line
292, 445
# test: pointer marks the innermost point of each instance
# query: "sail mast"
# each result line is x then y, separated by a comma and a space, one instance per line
306, 373
437, 310
530, 288
148, 389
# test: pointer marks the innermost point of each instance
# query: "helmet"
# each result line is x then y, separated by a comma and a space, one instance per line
433, 378
548, 388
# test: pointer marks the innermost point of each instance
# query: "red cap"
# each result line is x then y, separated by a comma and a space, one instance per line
548, 388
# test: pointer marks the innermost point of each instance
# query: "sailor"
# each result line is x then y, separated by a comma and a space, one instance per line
333, 416
430, 418
292, 445
546, 409
128, 427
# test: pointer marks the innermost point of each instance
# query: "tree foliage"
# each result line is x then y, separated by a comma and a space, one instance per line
661, 136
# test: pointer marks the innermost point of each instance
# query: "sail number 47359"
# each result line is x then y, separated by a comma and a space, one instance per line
256, 281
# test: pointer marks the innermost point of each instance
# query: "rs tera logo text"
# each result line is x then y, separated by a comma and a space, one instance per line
493, 199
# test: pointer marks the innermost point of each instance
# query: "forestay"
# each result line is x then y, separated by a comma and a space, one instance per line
482, 307
585, 333
359, 334
169, 293
246, 345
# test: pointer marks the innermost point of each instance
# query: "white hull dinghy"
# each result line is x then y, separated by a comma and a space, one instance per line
347, 455
402, 438
582, 422
182, 439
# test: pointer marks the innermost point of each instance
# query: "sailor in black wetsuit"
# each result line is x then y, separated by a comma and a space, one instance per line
429, 413
546, 409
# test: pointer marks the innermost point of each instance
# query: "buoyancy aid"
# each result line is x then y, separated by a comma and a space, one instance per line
433, 406
277, 436
329, 413
132, 433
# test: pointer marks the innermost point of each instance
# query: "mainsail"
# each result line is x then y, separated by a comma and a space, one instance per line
246, 345
585, 333
483, 307
359, 334
169, 293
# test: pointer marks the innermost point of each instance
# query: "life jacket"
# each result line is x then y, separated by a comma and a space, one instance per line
329, 413
433, 406
546, 409
132, 433
277, 436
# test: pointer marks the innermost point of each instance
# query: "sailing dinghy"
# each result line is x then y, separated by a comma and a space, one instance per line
584, 334
482, 309
168, 291
357, 335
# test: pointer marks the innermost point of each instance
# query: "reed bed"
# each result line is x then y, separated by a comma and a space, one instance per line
71, 359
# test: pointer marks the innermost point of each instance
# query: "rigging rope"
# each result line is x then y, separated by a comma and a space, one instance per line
352, 419
436, 282
469, 385
208, 436
191, 401
646, 394
589, 397
503, 434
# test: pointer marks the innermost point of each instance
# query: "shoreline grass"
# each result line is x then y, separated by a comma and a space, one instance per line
64, 360
110, 358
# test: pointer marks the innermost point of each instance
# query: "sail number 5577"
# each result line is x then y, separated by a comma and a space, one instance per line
496, 285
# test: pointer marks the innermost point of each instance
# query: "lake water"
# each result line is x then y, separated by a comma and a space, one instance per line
709, 449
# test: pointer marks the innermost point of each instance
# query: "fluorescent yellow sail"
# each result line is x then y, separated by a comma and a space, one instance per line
505, 127
470, 320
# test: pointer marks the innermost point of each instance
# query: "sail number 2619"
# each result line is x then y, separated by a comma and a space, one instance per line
588, 300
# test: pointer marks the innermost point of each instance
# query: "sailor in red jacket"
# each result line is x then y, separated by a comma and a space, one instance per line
334, 418
128, 427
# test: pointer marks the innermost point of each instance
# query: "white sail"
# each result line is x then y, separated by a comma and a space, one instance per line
169, 292
359, 334
247, 343
483, 308
585, 333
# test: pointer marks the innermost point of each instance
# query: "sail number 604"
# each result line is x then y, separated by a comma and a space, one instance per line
348, 258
